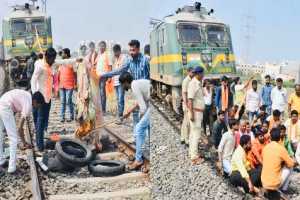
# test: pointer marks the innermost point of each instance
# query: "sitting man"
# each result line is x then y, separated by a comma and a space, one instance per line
293, 129
255, 155
226, 147
15, 101
219, 128
241, 174
277, 164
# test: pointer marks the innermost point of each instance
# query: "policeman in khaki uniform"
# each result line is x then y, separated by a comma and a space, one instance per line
185, 127
196, 108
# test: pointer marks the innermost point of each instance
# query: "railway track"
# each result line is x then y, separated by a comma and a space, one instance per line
80, 184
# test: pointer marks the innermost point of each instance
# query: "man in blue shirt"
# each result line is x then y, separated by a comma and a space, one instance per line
265, 94
138, 66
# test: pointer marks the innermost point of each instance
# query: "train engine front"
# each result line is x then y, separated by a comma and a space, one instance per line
25, 30
191, 37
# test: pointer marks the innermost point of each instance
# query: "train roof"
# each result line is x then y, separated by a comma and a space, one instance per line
24, 13
191, 14
193, 17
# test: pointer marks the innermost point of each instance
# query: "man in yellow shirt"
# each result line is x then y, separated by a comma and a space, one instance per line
277, 164
293, 129
240, 167
294, 100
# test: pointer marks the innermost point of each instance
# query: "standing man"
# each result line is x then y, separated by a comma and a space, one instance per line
252, 101
141, 92
196, 109
15, 101
104, 64
138, 66
294, 100
42, 82
224, 97
185, 127
120, 59
207, 116
66, 84
265, 94
279, 97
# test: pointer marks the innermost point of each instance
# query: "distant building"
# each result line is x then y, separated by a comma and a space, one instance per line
289, 70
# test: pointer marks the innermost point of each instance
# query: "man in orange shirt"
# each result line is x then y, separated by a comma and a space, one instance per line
104, 64
277, 164
255, 155
66, 77
294, 100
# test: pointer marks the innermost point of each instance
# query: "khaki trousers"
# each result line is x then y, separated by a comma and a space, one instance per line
185, 127
195, 134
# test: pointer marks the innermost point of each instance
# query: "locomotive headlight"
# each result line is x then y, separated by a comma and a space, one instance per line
45, 41
13, 43
184, 57
29, 42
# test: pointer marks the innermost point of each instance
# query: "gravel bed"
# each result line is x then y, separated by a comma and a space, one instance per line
171, 173
55, 185
15, 186
173, 176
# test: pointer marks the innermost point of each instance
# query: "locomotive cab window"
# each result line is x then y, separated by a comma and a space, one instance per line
189, 33
38, 24
18, 27
216, 35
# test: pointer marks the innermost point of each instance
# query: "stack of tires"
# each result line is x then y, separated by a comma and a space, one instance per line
70, 154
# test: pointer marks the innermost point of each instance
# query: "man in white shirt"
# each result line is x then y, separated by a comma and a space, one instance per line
119, 61
226, 147
279, 97
207, 115
141, 92
15, 101
252, 101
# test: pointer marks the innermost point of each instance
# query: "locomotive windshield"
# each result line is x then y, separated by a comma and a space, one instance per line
189, 33
18, 27
216, 35
39, 25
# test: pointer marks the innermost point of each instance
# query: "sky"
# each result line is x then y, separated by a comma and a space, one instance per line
273, 26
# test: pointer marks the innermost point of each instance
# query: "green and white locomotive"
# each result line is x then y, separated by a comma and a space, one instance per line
191, 37
25, 30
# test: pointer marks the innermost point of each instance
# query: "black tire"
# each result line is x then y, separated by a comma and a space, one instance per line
73, 153
54, 164
100, 168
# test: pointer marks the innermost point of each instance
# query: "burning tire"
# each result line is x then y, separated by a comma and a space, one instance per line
73, 153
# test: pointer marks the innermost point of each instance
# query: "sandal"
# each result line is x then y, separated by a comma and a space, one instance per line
197, 161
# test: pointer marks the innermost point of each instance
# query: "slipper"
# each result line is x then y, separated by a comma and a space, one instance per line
197, 161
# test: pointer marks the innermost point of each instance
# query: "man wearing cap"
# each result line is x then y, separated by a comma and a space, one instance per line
196, 108
185, 127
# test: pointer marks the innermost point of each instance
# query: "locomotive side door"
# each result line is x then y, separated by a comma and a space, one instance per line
160, 51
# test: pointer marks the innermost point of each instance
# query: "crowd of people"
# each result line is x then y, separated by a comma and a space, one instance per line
256, 132
92, 74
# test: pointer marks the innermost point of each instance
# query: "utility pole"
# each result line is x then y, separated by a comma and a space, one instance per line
248, 31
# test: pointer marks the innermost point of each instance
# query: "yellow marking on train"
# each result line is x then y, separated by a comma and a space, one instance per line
8, 43
171, 58
222, 58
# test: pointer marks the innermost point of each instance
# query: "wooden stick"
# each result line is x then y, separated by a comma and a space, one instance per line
35, 186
